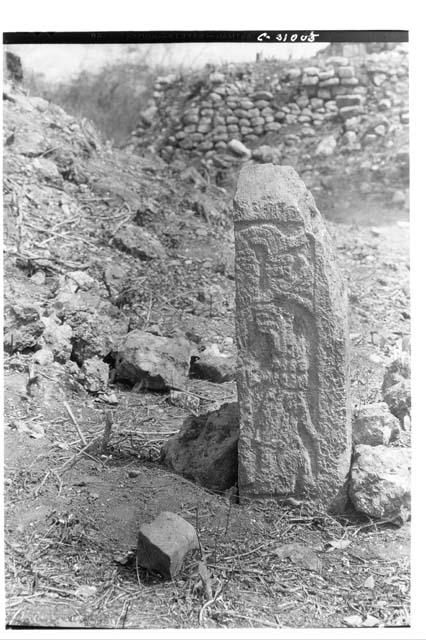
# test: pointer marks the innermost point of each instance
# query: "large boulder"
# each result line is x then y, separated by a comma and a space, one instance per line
379, 483
153, 362
206, 448
374, 424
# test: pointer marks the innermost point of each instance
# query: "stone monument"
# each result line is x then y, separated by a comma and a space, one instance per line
291, 325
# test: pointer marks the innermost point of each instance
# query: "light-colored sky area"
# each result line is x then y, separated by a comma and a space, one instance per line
60, 61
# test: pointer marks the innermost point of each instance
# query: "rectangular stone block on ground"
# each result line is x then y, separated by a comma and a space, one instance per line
291, 325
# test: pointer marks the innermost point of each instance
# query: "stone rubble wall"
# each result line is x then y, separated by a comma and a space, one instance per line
362, 101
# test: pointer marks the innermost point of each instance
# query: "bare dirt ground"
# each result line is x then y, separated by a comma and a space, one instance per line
71, 518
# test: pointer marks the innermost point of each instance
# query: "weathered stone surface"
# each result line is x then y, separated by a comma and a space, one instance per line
205, 449
163, 544
291, 320
374, 424
156, 362
380, 481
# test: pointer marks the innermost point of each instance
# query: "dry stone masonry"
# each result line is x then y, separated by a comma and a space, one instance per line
362, 99
291, 321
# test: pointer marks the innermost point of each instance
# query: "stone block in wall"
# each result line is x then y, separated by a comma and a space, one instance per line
294, 108
279, 115
261, 104
348, 100
190, 128
309, 81
231, 120
330, 105
206, 145
220, 145
307, 132
267, 111
324, 94
190, 118
294, 74
272, 126
221, 91
245, 122
331, 82
203, 127
206, 111
349, 82
345, 72
245, 130
316, 103
186, 143
253, 113
232, 104
215, 97
326, 74
303, 119
220, 137
311, 71
241, 113
197, 137
257, 122
219, 128
302, 101
218, 120
269, 119
246, 104
233, 128
291, 118
263, 95
258, 130
350, 112
251, 137
180, 135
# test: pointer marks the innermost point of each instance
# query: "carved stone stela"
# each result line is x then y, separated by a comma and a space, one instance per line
291, 321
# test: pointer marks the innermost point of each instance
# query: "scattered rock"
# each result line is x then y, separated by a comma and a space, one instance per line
396, 387
373, 424
94, 375
163, 544
139, 243
22, 327
153, 362
96, 323
43, 357
239, 148
205, 449
379, 483
213, 365
57, 338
